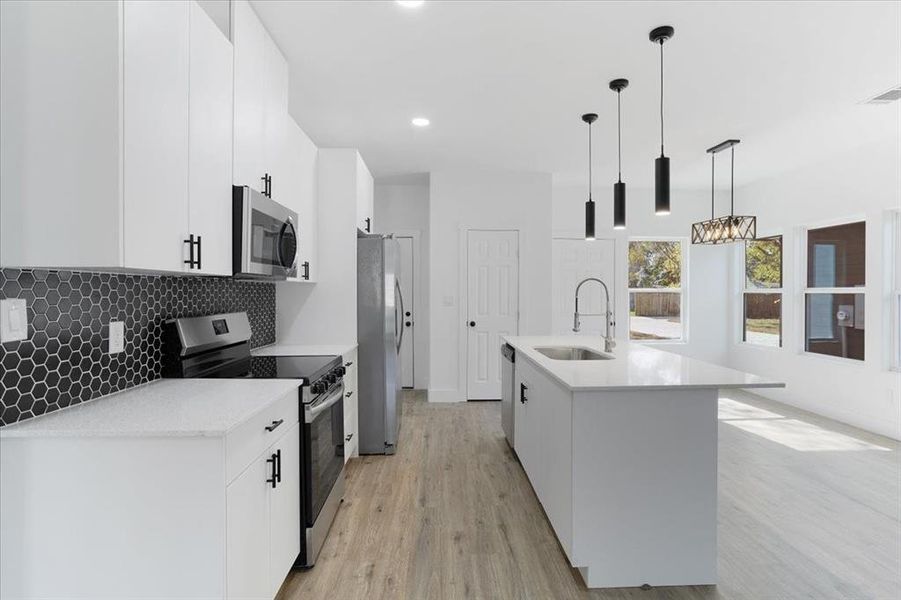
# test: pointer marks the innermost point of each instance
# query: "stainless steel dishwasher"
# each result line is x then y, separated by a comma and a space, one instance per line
508, 382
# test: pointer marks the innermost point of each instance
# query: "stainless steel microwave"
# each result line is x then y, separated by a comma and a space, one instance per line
264, 236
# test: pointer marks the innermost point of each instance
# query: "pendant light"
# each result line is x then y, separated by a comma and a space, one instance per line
661, 165
619, 188
723, 230
589, 206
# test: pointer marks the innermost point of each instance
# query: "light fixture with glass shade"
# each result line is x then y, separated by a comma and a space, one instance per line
619, 188
589, 206
732, 227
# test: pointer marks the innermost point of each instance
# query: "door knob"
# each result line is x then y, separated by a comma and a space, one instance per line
408, 323
407, 314
472, 323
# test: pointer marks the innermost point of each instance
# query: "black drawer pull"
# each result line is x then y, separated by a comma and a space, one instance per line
273, 478
348, 394
522, 393
349, 436
274, 425
278, 465
347, 364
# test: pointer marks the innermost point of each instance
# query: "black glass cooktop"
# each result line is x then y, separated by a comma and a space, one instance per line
309, 368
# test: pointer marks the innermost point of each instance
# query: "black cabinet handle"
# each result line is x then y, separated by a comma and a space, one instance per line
368, 225
407, 314
348, 394
347, 364
408, 323
278, 465
522, 393
472, 323
267, 185
272, 479
275, 424
348, 438
191, 242
306, 269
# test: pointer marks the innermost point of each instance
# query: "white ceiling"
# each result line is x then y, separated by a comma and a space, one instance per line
505, 83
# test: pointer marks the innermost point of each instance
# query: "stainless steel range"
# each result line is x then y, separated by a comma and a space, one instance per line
218, 346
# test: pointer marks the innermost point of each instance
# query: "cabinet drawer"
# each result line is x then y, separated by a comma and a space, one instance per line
249, 440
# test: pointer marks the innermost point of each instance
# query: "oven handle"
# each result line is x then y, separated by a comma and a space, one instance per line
311, 413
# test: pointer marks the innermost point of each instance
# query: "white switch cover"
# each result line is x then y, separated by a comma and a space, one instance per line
13, 320
116, 337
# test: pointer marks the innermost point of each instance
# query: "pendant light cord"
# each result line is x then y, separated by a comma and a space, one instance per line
732, 184
619, 141
589, 161
661, 97
712, 183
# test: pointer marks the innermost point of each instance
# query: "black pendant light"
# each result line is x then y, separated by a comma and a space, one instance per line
619, 188
589, 206
723, 230
661, 165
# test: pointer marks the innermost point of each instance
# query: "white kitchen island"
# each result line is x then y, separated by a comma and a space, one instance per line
622, 454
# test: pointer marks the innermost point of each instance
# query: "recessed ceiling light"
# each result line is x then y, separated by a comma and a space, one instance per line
411, 3
420, 122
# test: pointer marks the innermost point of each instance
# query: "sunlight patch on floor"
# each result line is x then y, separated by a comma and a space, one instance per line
795, 434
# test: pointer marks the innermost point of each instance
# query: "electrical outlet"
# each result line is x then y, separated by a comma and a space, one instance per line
116, 337
13, 320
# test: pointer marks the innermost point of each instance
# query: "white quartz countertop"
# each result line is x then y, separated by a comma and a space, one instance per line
166, 407
634, 366
279, 349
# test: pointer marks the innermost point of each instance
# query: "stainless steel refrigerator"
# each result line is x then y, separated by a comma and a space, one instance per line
380, 334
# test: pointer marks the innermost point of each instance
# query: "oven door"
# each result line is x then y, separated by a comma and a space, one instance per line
322, 450
267, 247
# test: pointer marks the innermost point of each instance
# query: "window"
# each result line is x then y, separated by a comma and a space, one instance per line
762, 296
655, 290
834, 295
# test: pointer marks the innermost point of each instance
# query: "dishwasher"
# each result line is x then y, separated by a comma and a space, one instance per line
508, 382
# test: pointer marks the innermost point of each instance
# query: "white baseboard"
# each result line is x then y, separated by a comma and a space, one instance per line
445, 396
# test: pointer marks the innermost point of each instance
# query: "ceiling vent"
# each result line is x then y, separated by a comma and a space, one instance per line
886, 97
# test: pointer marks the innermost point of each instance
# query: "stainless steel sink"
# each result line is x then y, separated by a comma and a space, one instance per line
571, 353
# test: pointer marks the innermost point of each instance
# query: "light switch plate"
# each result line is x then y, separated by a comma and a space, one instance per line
116, 337
13, 320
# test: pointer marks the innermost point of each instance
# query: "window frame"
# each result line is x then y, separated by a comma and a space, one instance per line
745, 290
805, 290
682, 289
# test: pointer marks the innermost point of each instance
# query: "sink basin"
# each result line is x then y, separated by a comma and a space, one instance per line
571, 353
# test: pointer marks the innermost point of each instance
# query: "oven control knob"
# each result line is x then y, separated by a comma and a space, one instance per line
341, 371
318, 387
330, 378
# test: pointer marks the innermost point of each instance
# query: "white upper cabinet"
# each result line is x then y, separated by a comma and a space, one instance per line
365, 197
156, 65
210, 143
261, 105
299, 194
116, 137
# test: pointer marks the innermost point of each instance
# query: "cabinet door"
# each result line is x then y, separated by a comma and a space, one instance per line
302, 181
210, 143
247, 532
250, 96
155, 104
284, 513
275, 119
525, 441
365, 197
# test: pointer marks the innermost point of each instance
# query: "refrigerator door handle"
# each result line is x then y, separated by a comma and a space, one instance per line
398, 315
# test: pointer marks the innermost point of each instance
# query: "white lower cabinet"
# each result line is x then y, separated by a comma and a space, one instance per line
351, 407
166, 517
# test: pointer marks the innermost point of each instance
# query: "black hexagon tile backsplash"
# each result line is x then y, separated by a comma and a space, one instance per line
65, 359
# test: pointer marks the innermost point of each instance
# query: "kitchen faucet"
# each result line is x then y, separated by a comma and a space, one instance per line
609, 342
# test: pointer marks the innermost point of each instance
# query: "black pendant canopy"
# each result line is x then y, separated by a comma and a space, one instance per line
589, 206
619, 188
723, 230
661, 165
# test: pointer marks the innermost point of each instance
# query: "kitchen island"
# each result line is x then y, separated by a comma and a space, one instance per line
621, 450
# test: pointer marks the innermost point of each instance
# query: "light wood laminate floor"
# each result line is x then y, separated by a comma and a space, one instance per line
808, 508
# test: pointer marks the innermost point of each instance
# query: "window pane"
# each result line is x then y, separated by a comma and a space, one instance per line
836, 256
655, 264
763, 319
763, 263
655, 316
834, 325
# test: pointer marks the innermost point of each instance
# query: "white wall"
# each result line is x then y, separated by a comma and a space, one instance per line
461, 200
404, 207
865, 182
708, 267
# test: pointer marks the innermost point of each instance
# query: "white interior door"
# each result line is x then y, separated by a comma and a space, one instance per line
406, 287
573, 260
492, 307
